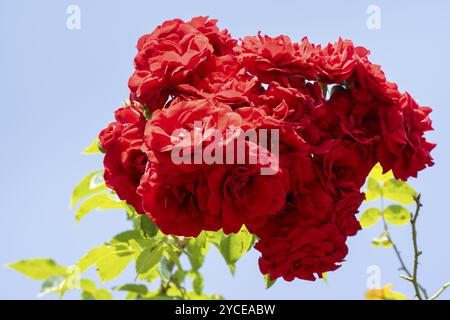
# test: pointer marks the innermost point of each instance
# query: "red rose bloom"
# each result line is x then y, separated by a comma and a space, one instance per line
177, 208
337, 62
404, 148
241, 195
324, 115
124, 160
302, 250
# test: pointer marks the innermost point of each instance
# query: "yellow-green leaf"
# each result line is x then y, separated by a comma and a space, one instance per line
93, 148
373, 191
90, 184
397, 215
148, 259
369, 217
234, 246
398, 191
377, 174
38, 269
113, 263
269, 283
101, 201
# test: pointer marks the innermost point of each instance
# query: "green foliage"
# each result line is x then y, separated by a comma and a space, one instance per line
93, 148
269, 283
397, 215
38, 269
373, 191
197, 249
148, 260
91, 184
398, 191
369, 217
102, 201
234, 246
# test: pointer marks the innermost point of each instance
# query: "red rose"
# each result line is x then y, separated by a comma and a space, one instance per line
370, 81
242, 195
203, 89
274, 58
404, 148
344, 167
170, 56
303, 251
124, 160
176, 207
337, 62
173, 130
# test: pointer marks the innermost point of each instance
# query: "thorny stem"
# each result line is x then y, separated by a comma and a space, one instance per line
417, 253
410, 276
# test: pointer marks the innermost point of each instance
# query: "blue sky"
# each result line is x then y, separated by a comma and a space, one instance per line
58, 87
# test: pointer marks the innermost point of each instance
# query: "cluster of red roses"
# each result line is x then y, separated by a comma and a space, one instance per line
336, 113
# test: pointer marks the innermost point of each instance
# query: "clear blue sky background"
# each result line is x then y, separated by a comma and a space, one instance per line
59, 87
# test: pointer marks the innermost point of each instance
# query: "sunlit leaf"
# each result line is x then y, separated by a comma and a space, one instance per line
377, 174
51, 285
397, 215
234, 246
38, 269
98, 202
398, 191
132, 287
369, 217
198, 247
113, 263
93, 148
373, 191
92, 183
148, 259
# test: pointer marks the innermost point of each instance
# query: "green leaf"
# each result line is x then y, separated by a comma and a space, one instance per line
377, 174
87, 285
92, 183
90, 291
198, 283
164, 270
369, 217
147, 226
148, 259
102, 294
234, 246
51, 285
397, 215
93, 148
38, 269
197, 249
92, 257
109, 260
373, 191
132, 287
268, 282
398, 191
126, 237
112, 264
98, 202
